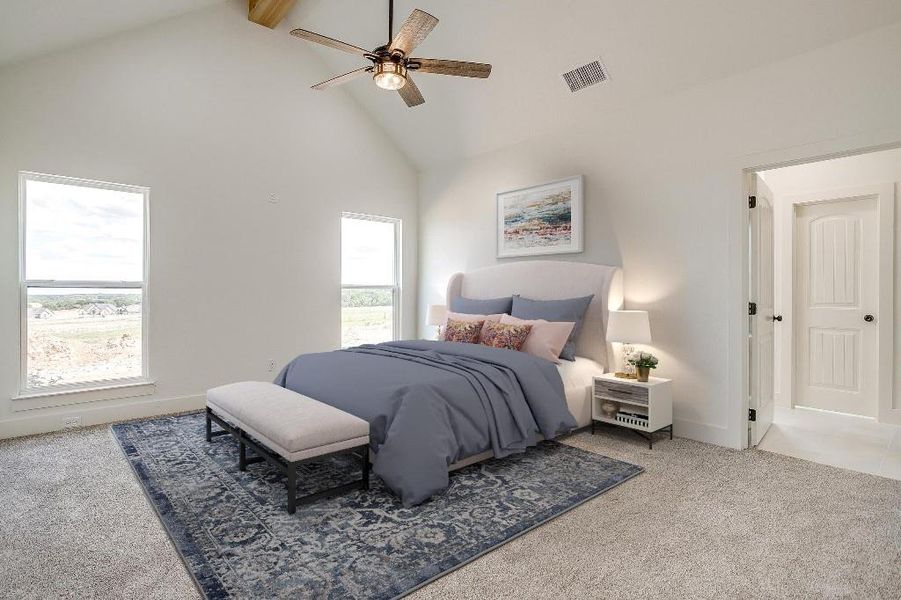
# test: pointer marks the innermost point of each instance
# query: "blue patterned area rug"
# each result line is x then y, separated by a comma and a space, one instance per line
238, 541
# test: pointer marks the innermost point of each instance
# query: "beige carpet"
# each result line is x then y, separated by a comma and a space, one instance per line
701, 522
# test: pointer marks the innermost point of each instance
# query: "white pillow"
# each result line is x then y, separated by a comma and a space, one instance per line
452, 316
546, 339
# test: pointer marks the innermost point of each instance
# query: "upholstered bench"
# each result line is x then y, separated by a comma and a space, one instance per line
286, 429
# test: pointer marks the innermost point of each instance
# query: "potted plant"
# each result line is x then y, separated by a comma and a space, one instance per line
643, 363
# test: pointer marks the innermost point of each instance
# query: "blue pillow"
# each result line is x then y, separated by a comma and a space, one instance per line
471, 306
570, 310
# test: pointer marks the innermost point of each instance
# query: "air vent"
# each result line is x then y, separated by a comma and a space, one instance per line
586, 75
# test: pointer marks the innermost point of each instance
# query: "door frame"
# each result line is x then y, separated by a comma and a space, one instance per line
736, 429
884, 195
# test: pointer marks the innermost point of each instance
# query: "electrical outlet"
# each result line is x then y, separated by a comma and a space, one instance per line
271, 365
72, 422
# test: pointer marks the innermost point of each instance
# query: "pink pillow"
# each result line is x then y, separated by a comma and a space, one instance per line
546, 339
452, 316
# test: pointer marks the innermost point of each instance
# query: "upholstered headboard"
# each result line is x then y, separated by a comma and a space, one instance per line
552, 280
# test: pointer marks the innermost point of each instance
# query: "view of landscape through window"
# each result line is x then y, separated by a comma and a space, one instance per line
83, 335
369, 280
77, 235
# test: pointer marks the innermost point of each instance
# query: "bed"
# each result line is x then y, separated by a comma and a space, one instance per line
436, 406
555, 280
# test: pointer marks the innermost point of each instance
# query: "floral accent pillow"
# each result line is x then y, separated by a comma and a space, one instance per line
505, 335
463, 331
452, 316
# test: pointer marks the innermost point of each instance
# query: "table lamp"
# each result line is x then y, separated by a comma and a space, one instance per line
628, 327
436, 316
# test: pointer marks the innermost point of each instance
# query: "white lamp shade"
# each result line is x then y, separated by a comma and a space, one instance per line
436, 315
629, 327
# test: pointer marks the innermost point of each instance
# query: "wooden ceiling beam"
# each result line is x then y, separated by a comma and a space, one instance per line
268, 13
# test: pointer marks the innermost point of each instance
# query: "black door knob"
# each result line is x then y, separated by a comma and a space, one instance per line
869, 318
777, 318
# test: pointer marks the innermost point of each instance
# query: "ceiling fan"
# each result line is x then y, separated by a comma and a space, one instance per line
392, 63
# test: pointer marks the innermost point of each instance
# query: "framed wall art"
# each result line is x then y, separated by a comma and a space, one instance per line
542, 219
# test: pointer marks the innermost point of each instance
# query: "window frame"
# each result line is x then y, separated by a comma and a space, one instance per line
118, 385
396, 288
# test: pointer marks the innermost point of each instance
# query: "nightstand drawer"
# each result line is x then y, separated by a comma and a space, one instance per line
620, 391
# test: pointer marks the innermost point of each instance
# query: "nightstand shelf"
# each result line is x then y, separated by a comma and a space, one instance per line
615, 422
621, 401
645, 408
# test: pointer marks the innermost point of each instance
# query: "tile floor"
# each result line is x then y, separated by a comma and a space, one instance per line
846, 441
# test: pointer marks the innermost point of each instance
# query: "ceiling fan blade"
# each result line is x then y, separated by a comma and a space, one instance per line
410, 93
457, 68
342, 78
327, 41
415, 29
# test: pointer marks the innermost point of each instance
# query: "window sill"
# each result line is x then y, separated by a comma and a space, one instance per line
63, 397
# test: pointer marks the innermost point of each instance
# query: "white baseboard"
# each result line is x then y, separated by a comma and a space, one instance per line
31, 425
703, 432
99, 415
892, 416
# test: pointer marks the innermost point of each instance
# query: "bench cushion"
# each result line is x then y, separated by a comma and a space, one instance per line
293, 425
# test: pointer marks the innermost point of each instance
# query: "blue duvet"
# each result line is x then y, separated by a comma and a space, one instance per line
431, 404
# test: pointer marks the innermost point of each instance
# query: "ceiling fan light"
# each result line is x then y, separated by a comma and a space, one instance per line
390, 75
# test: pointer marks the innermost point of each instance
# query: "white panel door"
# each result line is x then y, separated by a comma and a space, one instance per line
762, 335
836, 298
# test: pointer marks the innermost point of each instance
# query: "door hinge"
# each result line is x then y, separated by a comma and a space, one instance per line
752, 308
752, 414
752, 201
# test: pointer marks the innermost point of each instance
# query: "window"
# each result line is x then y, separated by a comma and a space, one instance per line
370, 276
82, 282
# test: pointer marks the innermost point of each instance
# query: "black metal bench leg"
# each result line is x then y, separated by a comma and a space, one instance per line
291, 472
364, 484
242, 454
209, 426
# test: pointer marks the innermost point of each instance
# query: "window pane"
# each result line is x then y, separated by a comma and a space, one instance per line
80, 335
367, 316
74, 232
367, 252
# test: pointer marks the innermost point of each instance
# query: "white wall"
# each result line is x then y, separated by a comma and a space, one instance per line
214, 114
663, 199
853, 171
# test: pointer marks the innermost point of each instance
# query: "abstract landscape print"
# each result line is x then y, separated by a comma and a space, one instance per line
544, 219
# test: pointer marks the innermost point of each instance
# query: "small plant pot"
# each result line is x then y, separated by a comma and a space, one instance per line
643, 373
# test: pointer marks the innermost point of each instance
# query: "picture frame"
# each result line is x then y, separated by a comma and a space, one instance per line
540, 219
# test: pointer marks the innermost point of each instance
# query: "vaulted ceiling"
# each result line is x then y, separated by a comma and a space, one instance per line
651, 48
33, 27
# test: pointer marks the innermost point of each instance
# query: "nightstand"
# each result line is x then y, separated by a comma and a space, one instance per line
645, 408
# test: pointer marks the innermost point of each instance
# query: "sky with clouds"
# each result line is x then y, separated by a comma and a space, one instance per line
367, 252
74, 232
